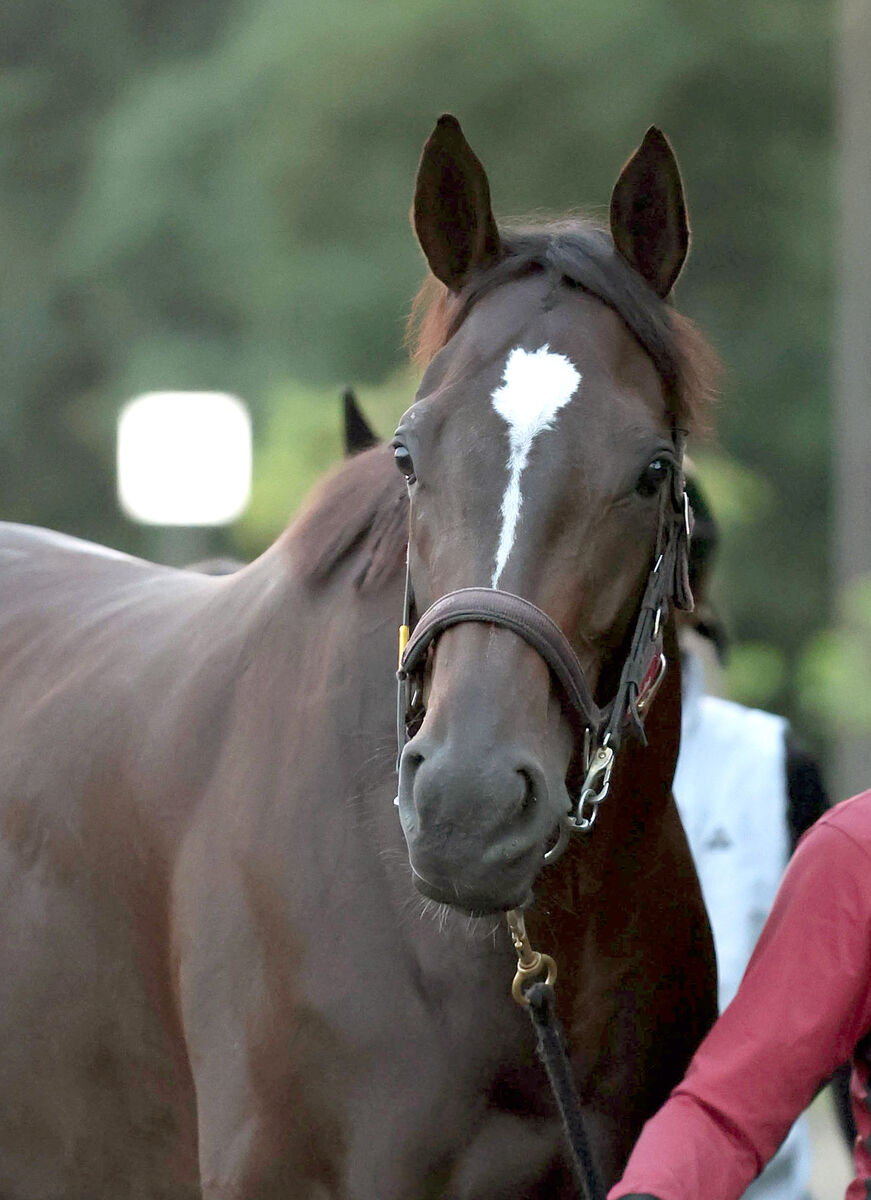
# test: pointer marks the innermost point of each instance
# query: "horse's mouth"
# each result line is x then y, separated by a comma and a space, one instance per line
470, 902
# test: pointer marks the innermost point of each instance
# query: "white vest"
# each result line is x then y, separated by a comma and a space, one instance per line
731, 791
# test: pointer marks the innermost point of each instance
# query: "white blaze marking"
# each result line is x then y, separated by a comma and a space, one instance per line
535, 386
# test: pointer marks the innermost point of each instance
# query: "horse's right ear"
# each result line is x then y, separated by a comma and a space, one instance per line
451, 214
648, 213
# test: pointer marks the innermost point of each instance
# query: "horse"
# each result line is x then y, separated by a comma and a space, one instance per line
237, 961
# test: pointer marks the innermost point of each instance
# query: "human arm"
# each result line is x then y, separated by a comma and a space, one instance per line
802, 1006
807, 800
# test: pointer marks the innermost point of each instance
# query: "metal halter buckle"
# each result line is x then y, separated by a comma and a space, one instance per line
649, 690
594, 790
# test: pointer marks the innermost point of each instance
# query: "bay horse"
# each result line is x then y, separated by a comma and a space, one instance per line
230, 966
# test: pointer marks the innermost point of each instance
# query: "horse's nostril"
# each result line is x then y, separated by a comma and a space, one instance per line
535, 789
529, 795
409, 765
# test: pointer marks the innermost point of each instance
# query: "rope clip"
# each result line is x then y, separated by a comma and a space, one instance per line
595, 789
530, 963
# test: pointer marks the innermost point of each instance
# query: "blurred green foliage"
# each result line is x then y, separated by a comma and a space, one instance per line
301, 436
215, 195
755, 672
835, 667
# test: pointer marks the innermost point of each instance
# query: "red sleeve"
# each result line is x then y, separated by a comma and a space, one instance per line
803, 1004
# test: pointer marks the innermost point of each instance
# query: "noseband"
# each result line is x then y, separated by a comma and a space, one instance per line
600, 731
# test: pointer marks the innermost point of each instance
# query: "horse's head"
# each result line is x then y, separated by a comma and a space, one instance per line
541, 452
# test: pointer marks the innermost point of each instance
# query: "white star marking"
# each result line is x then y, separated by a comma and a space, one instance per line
535, 386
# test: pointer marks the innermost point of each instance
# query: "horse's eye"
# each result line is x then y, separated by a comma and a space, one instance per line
403, 461
652, 477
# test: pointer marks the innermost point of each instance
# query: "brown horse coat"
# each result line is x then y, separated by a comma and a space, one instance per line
216, 976
214, 966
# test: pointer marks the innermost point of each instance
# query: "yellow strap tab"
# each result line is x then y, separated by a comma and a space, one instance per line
403, 641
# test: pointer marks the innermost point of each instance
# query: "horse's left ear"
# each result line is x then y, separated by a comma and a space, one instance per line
358, 433
648, 213
451, 213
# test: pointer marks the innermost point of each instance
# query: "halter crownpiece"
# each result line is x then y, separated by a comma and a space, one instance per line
600, 730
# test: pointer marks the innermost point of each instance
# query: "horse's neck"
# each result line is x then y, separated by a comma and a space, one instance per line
596, 865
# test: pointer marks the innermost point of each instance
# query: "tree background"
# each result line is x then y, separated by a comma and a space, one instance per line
214, 195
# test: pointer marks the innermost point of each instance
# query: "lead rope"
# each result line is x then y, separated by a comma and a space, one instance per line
550, 1045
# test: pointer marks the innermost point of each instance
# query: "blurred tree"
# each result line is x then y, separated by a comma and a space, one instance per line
217, 196
299, 439
835, 668
63, 67
852, 424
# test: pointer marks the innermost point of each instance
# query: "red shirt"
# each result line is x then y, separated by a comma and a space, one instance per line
803, 1008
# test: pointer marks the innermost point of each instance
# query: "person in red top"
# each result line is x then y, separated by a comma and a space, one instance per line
803, 1008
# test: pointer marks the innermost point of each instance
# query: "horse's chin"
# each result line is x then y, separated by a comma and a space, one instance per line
474, 904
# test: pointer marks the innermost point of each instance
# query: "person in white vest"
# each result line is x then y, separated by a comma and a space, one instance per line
745, 792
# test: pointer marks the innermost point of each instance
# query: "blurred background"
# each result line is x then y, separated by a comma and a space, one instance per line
213, 195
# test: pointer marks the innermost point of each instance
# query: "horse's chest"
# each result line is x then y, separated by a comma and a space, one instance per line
444, 1101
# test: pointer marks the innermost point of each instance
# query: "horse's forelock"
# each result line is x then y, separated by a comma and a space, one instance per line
360, 511
582, 255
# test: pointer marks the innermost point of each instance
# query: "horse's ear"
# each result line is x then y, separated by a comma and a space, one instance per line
358, 433
648, 213
451, 214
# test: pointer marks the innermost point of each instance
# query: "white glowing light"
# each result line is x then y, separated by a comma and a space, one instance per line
184, 458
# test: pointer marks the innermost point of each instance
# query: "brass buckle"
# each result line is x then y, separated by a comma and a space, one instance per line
530, 963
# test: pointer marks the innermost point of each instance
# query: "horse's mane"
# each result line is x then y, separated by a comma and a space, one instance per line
361, 510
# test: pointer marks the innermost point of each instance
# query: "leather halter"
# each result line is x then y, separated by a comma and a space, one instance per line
601, 729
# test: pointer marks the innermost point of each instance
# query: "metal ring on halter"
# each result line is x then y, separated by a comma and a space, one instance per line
565, 826
594, 791
556, 850
523, 975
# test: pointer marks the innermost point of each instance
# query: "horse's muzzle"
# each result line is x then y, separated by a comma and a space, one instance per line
476, 830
